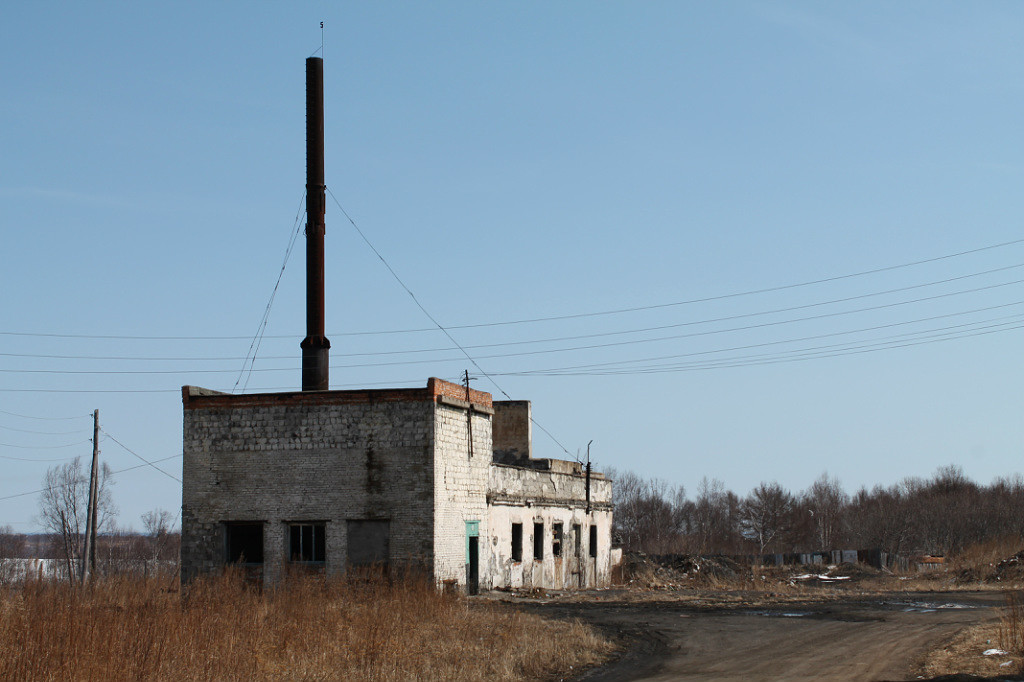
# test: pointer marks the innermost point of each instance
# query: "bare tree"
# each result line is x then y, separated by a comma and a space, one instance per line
711, 522
163, 541
884, 517
64, 503
767, 515
826, 501
12, 544
649, 513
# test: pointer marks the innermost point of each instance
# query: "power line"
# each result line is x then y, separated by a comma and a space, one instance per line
741, 293
575, 370
766, 344
589, 336
44, 447
28, 416
29, 459
617, 311
812, 354
132, 452
616, 366
269, 389
75, 390
588, 347
40, 433
431, 317
119, 471
257, 340
712, 332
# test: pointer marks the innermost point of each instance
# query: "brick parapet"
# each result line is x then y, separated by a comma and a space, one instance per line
193, 397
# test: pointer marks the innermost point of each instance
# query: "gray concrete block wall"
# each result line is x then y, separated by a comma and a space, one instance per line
539, 485
307, 462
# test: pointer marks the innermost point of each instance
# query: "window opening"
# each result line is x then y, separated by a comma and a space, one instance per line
517, 542
244, 543
593, 541
307, 542
556, 541
538, 541
577, 537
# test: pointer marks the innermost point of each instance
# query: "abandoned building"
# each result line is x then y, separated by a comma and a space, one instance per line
440, 478
340, 479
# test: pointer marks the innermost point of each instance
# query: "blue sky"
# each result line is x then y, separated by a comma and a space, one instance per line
519, 161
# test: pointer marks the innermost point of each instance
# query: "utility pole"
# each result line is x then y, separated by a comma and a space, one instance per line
89, 555
469, 412
588, 476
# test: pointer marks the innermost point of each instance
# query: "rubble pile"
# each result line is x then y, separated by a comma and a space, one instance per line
1010, 569
668, 572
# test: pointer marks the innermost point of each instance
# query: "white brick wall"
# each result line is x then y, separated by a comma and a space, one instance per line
528, 497
460, 482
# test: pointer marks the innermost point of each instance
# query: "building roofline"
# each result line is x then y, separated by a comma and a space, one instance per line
195, 397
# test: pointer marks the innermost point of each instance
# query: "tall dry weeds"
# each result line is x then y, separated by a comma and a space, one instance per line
1011, 626
307, 629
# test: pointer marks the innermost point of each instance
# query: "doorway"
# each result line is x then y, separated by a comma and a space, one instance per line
472, 557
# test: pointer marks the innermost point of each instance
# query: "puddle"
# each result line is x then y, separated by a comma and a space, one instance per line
779, 614
929, 607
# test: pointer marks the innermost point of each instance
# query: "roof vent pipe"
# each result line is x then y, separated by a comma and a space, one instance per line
315, 347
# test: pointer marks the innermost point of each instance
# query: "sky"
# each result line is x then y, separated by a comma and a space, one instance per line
743, 241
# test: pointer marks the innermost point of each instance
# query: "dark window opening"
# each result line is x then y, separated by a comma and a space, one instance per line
307, 543
244, 543
538, 541
517, 542
577, 537
593, 541
556, 541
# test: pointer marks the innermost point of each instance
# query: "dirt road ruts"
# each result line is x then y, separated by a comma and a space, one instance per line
878, 638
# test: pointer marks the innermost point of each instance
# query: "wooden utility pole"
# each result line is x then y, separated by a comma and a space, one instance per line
89, 555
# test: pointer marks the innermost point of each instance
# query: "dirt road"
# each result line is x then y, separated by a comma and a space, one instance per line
849, 639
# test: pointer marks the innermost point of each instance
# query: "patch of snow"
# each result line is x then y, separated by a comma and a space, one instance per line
994, 652
822, 577
931, 607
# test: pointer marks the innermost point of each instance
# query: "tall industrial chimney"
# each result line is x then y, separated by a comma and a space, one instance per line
315, 347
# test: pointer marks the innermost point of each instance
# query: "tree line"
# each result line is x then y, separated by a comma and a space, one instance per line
940, 515
62, 514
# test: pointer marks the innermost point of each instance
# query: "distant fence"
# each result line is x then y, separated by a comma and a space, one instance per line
875, 558
20, 570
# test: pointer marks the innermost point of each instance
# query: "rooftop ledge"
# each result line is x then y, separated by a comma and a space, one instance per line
195, 397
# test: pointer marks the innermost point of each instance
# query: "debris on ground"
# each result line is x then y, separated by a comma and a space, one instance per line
678, 571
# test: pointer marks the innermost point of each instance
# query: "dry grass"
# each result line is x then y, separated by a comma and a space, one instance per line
964, 655
309, 629
1011, 628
